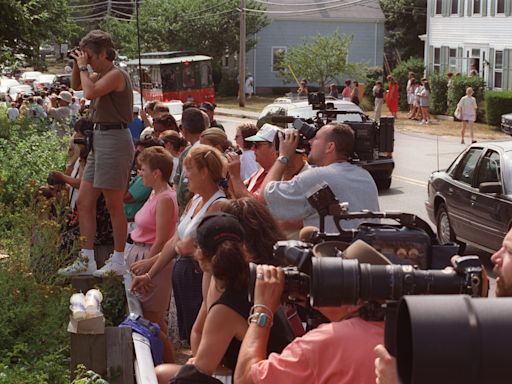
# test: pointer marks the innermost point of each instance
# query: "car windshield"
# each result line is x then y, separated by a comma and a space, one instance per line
507, 171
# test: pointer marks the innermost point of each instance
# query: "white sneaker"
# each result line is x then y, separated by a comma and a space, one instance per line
422, 122
111, 268
80, 267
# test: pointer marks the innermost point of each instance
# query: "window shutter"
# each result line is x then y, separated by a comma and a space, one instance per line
430, 67
507, 75
446, 8
432, 4
460, 59
484, 7
491, 66
445, 58
470, 9
493, 7
507, 7
461, 8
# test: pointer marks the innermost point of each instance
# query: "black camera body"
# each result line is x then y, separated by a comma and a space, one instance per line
72, 50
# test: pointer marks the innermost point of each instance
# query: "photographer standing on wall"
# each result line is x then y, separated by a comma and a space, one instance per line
331, 149
108, 164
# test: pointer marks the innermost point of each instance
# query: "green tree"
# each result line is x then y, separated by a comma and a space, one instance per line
405, 21
28, 23
320, 59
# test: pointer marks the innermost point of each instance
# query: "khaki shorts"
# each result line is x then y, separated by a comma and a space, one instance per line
110, 160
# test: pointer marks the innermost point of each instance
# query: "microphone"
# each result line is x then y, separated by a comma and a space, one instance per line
307, 234
282, 119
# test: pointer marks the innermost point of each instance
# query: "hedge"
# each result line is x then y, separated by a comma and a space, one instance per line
438, 96
458, 89
497, 103
401, 73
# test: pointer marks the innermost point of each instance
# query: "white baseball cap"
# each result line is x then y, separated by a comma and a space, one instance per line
266, 133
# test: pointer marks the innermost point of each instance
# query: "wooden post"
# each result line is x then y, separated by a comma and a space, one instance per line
119, 355
241, 57
89, 350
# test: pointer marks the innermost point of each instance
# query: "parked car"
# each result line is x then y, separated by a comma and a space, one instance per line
29, 77
471, 201
17, 89
45, 80
5, 84
506, 123
374, 143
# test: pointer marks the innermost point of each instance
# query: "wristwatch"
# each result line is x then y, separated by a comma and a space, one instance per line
83, 68
261, 319
283, 160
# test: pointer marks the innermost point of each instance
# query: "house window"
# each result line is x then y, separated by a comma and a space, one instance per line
277, 58
455, 7
500, 6
498, 69
439, 7
476, 7
437, 60
453, 60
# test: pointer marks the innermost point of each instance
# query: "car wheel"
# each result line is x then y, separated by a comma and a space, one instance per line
445, 233
383, 184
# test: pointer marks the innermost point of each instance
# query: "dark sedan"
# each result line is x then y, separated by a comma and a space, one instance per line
471, 201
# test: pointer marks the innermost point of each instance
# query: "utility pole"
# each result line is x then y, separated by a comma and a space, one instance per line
138, 49
241, 57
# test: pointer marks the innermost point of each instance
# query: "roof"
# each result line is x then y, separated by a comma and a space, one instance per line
344, 10
168, 60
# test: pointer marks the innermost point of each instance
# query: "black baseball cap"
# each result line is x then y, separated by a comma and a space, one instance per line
207, 106
217, 227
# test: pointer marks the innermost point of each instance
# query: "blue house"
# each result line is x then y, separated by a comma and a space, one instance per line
363, 19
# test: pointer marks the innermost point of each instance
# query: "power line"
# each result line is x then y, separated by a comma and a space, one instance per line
355, 2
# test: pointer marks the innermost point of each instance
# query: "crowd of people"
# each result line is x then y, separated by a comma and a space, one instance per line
189, 211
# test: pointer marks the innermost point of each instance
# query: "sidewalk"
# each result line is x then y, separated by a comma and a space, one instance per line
240, 113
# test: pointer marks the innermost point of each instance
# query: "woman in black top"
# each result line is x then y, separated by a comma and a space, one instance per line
220, 238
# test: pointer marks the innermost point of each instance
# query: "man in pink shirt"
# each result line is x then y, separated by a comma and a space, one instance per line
339, 352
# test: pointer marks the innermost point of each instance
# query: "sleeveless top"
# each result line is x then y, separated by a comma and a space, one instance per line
145, 232
114, 107
238, 301
188, 224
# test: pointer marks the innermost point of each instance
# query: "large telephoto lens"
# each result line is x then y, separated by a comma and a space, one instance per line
336, 281
454, 340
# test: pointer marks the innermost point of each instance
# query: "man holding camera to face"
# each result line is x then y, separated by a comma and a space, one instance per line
331, 150
338, 352
109, 162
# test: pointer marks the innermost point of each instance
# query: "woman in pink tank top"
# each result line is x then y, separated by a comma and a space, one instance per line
155, 225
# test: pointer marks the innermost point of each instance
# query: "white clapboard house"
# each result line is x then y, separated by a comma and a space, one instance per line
470, 34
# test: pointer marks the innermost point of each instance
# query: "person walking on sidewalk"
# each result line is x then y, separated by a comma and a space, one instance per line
467, 106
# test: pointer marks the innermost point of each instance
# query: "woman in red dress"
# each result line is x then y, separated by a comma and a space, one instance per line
392, 96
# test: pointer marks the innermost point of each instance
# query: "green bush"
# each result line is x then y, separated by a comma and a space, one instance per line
228, 86
438, 97
458, 89
497, 103
401, 72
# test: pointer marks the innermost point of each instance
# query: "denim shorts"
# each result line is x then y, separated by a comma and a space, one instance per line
110, 160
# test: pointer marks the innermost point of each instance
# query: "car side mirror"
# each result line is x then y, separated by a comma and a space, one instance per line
490, 187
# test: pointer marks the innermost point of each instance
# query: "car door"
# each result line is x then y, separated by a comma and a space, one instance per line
491, 212
458, 193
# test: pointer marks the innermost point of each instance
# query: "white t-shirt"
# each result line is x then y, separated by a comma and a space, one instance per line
13, 113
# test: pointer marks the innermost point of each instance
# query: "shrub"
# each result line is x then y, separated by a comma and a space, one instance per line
228, 86
401, 72
438, 100
458, 89
497, 103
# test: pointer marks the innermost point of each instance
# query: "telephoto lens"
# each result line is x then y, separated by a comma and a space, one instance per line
454, 339
336, 281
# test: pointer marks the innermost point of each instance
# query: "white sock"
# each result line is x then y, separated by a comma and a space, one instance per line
89, 253
118, 257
